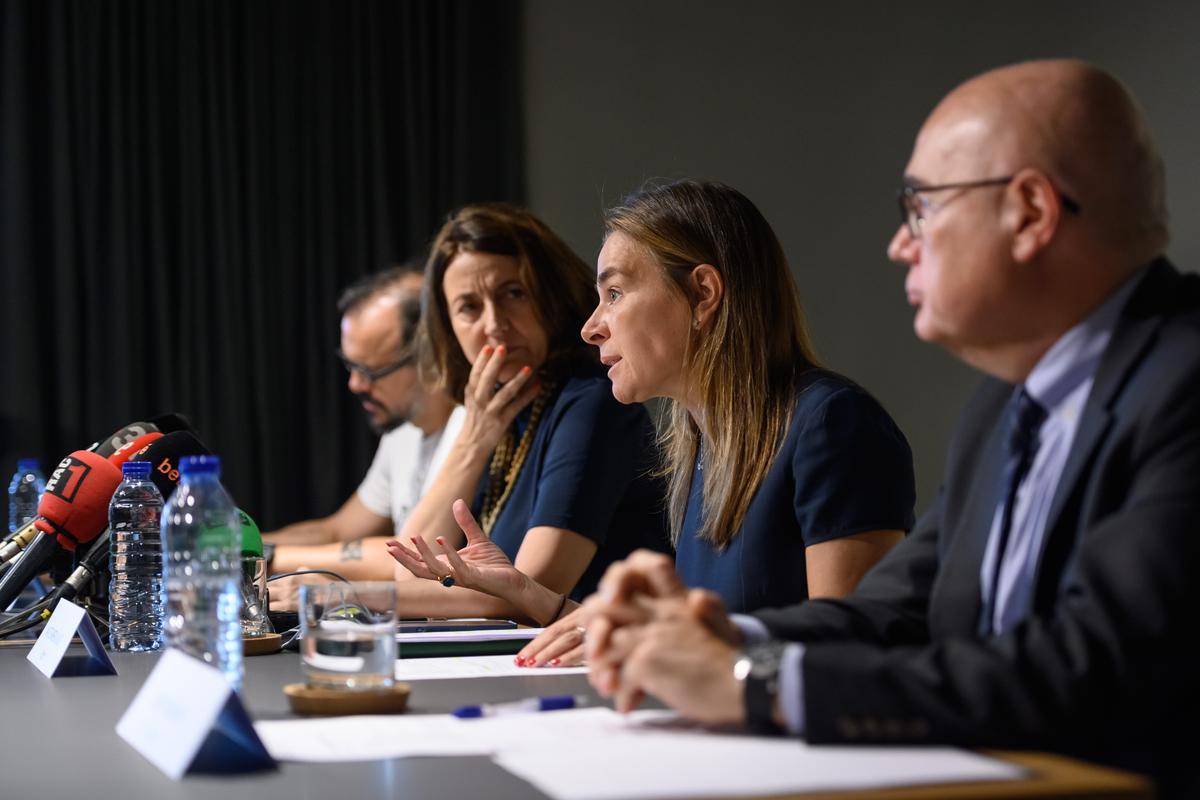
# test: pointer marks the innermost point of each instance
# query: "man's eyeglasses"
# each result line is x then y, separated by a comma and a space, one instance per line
914, 207
379, 373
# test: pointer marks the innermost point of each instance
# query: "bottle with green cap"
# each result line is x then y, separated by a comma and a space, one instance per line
246, 532
255, 621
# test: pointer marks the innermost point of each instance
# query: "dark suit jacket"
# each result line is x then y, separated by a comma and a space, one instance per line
1102, 667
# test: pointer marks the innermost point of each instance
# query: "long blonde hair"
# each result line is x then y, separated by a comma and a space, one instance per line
743, 366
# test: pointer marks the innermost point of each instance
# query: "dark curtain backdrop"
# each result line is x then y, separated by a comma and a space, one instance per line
185, 187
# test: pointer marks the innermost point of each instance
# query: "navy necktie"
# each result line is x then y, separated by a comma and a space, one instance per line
1025, 418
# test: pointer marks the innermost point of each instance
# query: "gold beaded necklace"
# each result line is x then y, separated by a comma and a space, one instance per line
507, 461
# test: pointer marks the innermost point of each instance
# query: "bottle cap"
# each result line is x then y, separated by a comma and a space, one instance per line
136, 469
200, 465
28, 465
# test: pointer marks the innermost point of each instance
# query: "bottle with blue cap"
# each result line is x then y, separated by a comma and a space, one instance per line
24, 493
202, 534
135, 605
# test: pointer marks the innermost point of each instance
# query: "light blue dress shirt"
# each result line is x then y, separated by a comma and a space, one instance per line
1060, 383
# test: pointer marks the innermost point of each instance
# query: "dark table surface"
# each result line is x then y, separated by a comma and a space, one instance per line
59, 739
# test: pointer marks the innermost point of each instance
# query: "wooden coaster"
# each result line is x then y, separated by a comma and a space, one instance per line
306, 699
262, 645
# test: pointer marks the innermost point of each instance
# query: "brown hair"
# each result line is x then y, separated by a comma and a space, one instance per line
560, 284
743, 366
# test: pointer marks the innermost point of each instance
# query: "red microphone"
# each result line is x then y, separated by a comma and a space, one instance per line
74, 507
165, 456
110, 444
21, 538
73, 511
127, 451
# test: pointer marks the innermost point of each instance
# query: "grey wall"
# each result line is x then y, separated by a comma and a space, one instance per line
811, 109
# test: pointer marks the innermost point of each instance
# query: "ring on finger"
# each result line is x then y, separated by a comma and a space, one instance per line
446, 580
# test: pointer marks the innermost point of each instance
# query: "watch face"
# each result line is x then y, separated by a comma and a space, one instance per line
765, 659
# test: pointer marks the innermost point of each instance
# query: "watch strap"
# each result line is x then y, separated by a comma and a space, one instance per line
761, 687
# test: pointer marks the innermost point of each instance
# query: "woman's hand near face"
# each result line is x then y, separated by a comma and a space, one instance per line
488, 412
490, 409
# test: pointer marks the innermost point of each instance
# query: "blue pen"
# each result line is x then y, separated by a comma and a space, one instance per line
527, 706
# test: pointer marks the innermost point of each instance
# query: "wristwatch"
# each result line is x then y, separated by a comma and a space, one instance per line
758, 671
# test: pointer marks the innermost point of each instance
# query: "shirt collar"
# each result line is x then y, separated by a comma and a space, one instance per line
1073, 359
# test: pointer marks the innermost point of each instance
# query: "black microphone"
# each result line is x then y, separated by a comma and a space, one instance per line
170, 423
165, 455
91, 564
25, 568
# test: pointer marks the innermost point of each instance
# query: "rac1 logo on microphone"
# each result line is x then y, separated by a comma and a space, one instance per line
67, 476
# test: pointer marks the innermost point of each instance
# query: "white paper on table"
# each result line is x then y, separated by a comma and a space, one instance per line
372, 737
417, 669
367, 738
496, 635
572, 758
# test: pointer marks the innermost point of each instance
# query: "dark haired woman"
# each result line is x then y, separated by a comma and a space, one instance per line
541, 433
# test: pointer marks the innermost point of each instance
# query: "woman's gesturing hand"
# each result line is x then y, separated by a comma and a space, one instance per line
480, 565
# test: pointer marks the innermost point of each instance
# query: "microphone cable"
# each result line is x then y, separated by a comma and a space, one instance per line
328, 572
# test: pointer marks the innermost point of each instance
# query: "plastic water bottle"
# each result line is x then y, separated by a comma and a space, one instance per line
201, 534
24, 493
135, 602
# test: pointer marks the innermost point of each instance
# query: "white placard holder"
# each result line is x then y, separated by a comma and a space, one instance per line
186, 718
49, 652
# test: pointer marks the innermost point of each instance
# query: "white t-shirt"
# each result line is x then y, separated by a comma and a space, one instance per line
405, 463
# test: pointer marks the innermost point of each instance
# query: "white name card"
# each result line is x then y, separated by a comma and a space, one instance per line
186, 718
49, 652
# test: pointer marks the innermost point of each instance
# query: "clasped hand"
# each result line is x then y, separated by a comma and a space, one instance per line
648, 634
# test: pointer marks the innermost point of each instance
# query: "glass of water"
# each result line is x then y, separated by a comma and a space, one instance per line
348, 634
255, 602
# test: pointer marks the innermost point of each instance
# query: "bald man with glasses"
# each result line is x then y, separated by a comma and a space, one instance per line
1045, 600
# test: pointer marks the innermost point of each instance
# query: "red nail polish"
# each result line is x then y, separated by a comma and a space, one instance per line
554, 662
526, 370
520, 662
